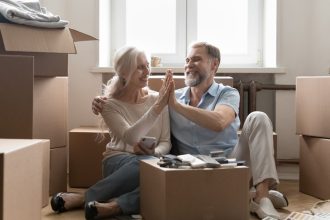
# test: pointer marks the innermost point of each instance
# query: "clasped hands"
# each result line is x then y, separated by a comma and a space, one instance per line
166, 92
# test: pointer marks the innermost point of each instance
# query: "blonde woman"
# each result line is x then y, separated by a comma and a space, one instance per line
131, 112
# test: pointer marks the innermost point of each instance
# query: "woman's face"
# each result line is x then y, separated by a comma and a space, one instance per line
141, 74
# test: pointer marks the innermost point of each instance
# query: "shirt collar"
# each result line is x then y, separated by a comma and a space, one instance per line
186, 92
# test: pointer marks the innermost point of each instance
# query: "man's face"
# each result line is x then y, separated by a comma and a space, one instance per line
198, 66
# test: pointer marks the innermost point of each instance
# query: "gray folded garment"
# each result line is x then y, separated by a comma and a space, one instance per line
30, 13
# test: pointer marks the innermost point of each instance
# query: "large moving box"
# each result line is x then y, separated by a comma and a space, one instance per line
85, 156
314, 165
313, 106
21, 175
194, 194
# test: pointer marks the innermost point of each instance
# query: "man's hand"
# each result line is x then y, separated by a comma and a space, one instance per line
98, 103
172, 99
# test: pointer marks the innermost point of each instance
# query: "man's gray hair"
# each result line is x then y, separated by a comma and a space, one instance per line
212, 50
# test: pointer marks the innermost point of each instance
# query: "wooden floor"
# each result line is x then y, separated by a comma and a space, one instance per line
297, 201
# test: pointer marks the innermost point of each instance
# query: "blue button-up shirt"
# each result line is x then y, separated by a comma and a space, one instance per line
190, 138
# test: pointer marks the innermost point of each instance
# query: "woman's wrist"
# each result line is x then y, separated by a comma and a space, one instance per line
157, 108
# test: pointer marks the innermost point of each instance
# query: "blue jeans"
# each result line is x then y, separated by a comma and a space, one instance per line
121, 181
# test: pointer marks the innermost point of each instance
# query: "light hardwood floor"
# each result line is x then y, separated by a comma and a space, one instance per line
289, 186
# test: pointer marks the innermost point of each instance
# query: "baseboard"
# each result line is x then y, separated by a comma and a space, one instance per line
293, 161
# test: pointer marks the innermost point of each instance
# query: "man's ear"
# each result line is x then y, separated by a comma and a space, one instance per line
215, 65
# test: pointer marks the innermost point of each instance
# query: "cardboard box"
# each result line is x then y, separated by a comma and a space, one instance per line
48, 47
32, 107
315, 167
312, 106
85, 156
45, 175
58, 170
194, 194
155, 82
21, 168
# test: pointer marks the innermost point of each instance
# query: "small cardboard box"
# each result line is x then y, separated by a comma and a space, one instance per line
85, 156
194, 194
58, 170
155, 82
314, 165
312, 106
48, 47
21, 174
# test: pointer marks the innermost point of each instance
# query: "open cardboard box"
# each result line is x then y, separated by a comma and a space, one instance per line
194, 194
49, 47
34, 99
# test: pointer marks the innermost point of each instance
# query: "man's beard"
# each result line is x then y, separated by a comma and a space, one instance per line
193, 80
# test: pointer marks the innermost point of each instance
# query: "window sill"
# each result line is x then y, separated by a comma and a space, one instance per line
224, 70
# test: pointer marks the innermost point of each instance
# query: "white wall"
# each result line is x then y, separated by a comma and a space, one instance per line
303, 49
83, 85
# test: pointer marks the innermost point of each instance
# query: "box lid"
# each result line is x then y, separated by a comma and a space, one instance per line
31, 39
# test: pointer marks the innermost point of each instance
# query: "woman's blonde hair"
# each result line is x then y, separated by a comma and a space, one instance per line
125, 63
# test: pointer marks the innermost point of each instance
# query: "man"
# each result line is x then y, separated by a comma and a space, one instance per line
204, 118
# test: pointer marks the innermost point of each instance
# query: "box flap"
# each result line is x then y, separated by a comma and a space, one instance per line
30, 39
79, 36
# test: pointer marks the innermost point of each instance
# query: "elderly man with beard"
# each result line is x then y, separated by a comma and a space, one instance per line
204, 118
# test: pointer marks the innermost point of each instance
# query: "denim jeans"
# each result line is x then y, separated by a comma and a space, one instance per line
121, 182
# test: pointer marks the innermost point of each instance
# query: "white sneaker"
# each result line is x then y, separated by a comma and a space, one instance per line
264, 209
278, 199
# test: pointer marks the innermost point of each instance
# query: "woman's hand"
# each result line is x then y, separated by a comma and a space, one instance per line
98, 103
164, 92
140, 150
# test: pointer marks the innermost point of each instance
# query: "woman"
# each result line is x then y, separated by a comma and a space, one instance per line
131, 112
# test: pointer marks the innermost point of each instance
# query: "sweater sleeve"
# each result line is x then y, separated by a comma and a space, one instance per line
118, 123
164, 144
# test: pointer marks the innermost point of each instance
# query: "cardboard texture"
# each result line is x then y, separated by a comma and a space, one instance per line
312, 106
58, 170
33, 107
50, 107
194, 194
16, 96
45, 175
85, 156
49, 47
21, 176
155, 82
314, 165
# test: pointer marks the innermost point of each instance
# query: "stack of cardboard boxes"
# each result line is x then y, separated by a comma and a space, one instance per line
313, 126
34, 92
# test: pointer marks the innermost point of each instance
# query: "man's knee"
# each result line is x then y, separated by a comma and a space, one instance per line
258, 118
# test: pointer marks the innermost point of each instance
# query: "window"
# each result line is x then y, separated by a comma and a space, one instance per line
166, 28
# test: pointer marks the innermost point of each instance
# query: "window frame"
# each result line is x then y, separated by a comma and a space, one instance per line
185, 34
